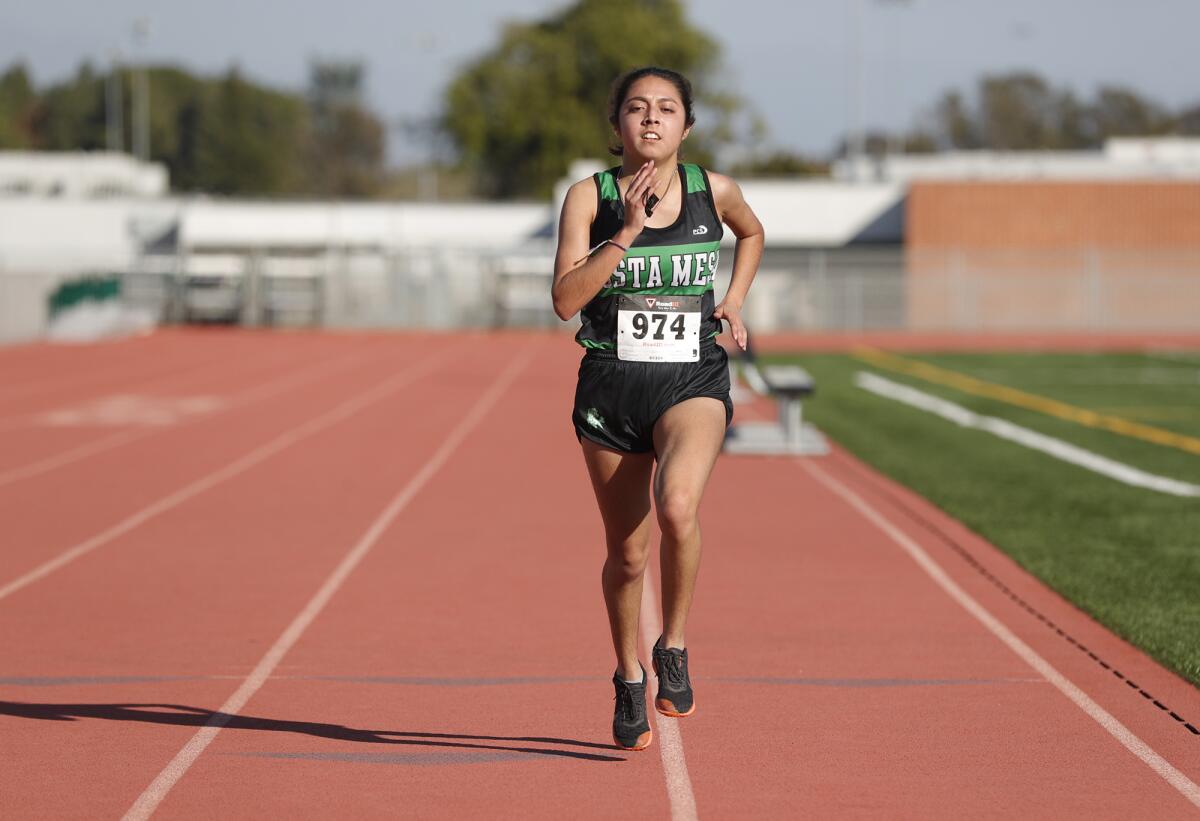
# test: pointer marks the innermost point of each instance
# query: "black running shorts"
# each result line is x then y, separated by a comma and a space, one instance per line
617, 403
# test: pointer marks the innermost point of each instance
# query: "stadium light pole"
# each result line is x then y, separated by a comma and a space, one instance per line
141, 99
898, 42
114, 104
854, 54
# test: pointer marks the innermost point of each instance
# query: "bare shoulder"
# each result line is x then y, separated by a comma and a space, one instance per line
726, 192
581, 196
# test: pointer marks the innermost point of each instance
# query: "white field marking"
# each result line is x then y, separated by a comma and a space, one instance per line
149, 800
263, 391
1115, 728
1057, 448
123, 410
1184, 355
670, 741
26, 419
216, 477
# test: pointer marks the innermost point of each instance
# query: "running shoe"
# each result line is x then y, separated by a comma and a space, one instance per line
674, 687
631, 728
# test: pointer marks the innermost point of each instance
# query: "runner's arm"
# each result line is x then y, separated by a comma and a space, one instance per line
734, 212
577, 276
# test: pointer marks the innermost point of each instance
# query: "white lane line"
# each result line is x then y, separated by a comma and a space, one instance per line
248, 397
216, 477
1057, 448
1115, 728
670, 740
149, 800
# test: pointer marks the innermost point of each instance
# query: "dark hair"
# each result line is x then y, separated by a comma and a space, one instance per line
620, 90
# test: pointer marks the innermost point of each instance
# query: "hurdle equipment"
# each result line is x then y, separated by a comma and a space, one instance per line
788, 385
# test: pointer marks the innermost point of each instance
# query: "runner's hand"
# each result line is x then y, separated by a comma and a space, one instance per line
733, 315
635, 197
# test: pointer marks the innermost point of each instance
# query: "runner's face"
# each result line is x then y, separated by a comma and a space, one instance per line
651, 121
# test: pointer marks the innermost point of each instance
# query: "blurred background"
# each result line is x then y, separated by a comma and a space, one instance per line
919, 165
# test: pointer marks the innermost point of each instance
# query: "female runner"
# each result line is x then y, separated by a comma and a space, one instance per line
653, 384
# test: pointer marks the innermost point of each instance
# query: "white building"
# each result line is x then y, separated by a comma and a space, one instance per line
78, 175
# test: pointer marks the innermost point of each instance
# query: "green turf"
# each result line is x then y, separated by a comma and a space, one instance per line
1129, 557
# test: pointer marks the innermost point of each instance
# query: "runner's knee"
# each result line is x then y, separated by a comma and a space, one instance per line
628, 556
677, 512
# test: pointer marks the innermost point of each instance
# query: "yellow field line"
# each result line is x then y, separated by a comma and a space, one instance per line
1156, 412
1041, 404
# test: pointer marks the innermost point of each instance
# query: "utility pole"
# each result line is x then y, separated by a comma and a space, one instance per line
114, 104
854, 88
141, 95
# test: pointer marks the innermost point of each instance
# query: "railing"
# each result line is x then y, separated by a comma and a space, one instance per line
884, 289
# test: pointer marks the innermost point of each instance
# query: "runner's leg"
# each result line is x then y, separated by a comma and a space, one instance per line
621, 482
688, 440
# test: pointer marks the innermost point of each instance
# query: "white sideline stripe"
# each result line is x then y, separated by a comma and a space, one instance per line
1057, 448
1115, 728
263, 391
210, 480
670, 740
69, 456
149, 800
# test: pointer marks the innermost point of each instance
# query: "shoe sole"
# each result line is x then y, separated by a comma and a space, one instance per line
642, 743
669, 709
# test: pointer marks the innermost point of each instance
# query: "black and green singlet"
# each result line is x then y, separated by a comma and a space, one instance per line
679, 259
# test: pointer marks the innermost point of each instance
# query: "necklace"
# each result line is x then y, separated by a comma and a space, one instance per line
653, 200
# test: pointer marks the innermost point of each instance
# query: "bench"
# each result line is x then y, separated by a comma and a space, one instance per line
789, 386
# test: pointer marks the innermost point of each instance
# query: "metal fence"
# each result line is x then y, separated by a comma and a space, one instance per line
871, 289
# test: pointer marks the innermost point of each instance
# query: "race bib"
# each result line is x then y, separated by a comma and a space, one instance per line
658, 328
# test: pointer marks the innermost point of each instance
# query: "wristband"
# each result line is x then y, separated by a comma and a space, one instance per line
600, 245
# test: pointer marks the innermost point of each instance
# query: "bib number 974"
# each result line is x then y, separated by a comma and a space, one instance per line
642, 323
658, 329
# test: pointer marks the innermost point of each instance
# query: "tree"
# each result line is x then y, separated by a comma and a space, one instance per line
780, 163
956, 122
242, 139
70, 116
1122, 112
521, 113
17, 100
1188, 121
1021, 111
347, 146
1017, 112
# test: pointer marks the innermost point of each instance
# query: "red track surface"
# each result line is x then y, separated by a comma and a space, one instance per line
456, 663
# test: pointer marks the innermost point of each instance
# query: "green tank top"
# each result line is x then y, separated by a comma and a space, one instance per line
680, 259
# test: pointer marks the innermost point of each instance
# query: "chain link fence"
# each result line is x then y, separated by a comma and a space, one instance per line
860, 289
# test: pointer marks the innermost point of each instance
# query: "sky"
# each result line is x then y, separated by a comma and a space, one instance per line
791, 63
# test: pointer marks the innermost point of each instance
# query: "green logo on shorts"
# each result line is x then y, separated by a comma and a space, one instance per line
594, 418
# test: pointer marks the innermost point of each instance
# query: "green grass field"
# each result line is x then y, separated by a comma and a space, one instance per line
1128, 556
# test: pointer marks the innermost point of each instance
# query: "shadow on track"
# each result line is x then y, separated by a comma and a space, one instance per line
178, 714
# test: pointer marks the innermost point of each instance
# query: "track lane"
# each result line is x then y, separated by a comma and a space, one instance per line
149, 470
851, 662
832, 676
202, 590
32, 441
472, 642
48, 372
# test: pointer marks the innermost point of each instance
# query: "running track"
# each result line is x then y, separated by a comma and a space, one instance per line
363, 581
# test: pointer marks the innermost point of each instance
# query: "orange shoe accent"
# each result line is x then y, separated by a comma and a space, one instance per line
642, 743
665, 707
